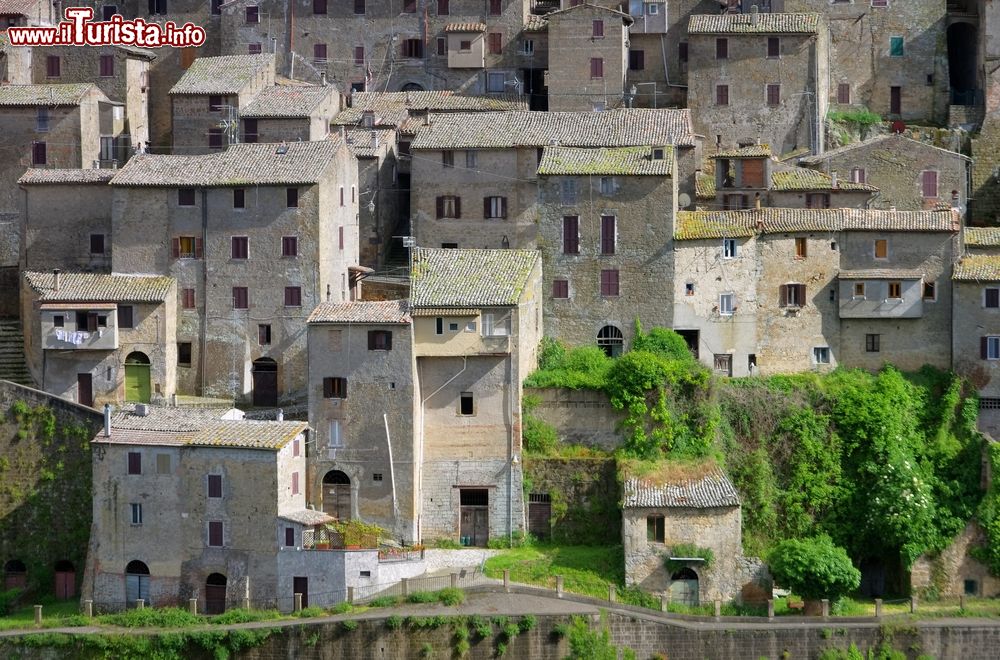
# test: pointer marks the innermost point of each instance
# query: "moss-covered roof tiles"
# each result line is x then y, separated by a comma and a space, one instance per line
801, 180
226, 74
99, 287
748, 23
978, 268
469, 278
982, 236
695, 225
605, 161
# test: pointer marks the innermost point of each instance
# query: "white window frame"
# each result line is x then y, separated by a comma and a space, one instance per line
528, 47
135, 513
817, 352
727, 304
471, 158
652, 8
730, 248
992, 348
335, 439
608, 185
495, 327
491, 78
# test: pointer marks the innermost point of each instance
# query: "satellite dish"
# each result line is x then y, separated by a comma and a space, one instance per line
684, 200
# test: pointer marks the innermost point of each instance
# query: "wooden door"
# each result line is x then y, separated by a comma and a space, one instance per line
136, 587
65, 584
215, 598
85, 389
137, 383
539, 518
684, 591
895, 100
265, 389
337, 500
300, 585
475, 526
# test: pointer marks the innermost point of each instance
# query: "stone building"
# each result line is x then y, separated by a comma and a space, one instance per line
588, 58
289, 113
910, 175
665, 517
47, 126
758, 77
27, 12
445, 370
750, 175
497, 155
605, 222
256, 236
15, 63
955, 572
783, 290
100, 338
377, 44
976, 321
121, 72
199, 503
51, 196
205, 103
379, 128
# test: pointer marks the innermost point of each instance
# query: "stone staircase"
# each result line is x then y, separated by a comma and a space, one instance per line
12, 365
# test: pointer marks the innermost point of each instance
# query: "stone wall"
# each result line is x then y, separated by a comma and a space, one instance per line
45, 485
580, 417
948, 573
572, 47
584, 498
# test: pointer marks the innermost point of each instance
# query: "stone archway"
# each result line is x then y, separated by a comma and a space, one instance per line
337, 495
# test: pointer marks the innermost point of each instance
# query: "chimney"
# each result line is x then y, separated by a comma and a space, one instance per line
834, 183
141, 410
374, 140
756, 201
55, 279
427, 116
368, 118
107, 420
754, 15
322, 78
281, 415
343, 133
954, 199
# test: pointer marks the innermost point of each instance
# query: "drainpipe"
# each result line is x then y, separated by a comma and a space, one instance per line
392, 469
203, 325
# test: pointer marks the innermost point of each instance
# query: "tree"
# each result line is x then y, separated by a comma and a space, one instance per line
813, 568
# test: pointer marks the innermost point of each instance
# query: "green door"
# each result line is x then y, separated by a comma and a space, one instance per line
137, 378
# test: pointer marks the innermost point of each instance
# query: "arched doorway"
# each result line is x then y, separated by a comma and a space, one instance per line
337, 495
215, 594
65, 580
265, 382
962, 49
136, 583
411, 87
611, 340
137, 377
684, 587
15, 575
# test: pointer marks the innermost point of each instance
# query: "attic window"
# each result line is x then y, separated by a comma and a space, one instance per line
657, 154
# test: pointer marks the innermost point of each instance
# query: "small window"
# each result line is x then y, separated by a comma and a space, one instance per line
239, 198
52, 68
136, 513
881, 248
496, 7
254, 49
215, 534
596, 67
295, 483
250, 131
721, 48
689, 288
817, 200
494, 208
872, 343
496, 81
990, 348
107, 11
801, 248
215, 485
636, 60
42, 120
449, 206
240, 247
991, 298
608, 186
215, 138
844, 93
858, 175
722, 95
184, 353
39, 153
727, 304
214, 103
443, 8
319, 6
929, 184
253, 14
970, 587
821, 355
471, 158
289, 537
241, 297
359, 56
452, 327
163, 464
187, 299
859, 290
494, 42
289, 246
930, 291
439, 326
895, 46
895, 290
134, 462
729, 248
466, 404
293, 296
571, 234
292, 198
793, 295
412, 48
59, 321
334, 388
528, 47
682, 52
379, 340
560, 289
264, 334
597, 31
470, 326
359, 6
655, 529
97, 244
448, 158
609, 283
652, 9
608, 234
185, 197
376, 476
773, 47
773, 94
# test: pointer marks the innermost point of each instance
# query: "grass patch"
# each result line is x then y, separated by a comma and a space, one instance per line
451, 596
55, 614
422, 597
240, 615
167, 617
586, 570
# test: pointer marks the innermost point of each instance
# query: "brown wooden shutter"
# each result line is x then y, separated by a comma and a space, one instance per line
175, 248
371, 340
199, 248
983, 347
458, 207
343, 388
486, 207
440, 206
783, 295
327, 388
801, 294
503, 207
388, 341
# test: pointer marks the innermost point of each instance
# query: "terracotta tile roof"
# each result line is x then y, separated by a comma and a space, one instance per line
694, 225
744, 24
469, 278
16, 7
982, 236
287, 101
801, 179
227, 74
881, 274
245, 434
359, 140
307, 517
446, 311
605, 161
752, 151
240, 165
465, 27
97, 287
535, 23
391, 108
875, 142
42, 175
978, 268
383, 311
624, 127
712, 490
168, 418
704, 186
64, 94
133, 51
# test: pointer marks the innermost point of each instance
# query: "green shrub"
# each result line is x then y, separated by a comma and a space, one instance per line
584, 367
527, 622
342, 607
8, 599
663, 342
588, 644
813, 568
422, 597
482, 626
349, 625
384, 601
446, 544
394, 622
240, 615
860, 118
462, 647
537, 436
687, 550
427, 650
168, 617
310, 612
451, 596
